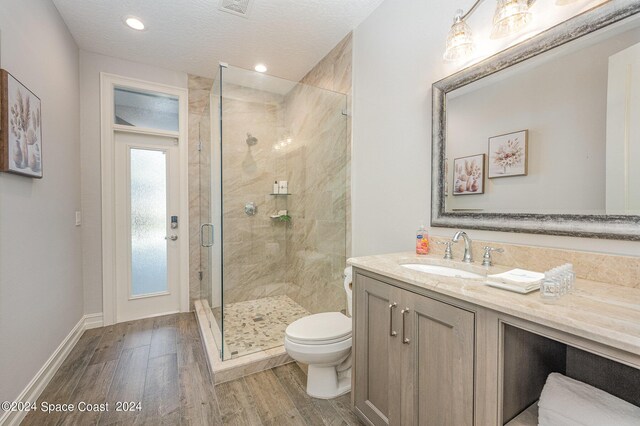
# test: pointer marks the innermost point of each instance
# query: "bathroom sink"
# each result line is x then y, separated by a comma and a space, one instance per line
442, 270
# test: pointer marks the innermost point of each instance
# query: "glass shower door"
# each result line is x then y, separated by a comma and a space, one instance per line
278, 253
209, 230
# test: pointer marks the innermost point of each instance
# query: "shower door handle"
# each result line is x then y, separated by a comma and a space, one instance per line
209, 242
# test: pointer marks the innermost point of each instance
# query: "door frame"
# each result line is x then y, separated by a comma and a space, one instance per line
108, 82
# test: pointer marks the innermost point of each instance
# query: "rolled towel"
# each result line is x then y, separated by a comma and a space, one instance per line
568, 402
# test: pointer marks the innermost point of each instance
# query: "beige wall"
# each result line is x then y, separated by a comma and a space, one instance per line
40, 246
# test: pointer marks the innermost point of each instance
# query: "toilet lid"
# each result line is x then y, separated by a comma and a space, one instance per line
318, 328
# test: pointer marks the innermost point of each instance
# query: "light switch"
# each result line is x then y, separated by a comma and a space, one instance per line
78, 218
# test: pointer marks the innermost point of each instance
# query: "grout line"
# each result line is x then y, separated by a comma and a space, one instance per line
253, 396
215, 394
89, 358
112, 377
288, 395
113, 374
310, 403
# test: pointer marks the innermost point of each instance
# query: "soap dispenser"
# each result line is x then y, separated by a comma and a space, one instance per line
422, 240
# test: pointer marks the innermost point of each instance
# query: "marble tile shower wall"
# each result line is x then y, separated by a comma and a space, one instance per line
319, 176
333, 73
264, 257
254, 247
199, 181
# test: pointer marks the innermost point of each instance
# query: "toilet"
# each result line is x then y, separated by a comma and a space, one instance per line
323, 342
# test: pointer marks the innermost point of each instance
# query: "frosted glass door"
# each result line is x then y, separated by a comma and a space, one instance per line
148, 221
147, 246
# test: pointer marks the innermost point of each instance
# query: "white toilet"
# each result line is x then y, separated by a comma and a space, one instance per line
323, 341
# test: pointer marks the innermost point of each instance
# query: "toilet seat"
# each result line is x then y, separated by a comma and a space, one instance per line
320, 329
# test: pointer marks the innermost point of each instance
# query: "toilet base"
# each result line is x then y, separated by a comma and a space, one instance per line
324, 383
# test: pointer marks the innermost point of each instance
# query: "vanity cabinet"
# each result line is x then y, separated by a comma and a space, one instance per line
448, 352
414, 357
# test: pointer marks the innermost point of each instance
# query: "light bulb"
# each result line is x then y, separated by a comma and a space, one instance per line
510, 17
459, 41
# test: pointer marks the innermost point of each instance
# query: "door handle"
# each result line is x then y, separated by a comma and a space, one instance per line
209, 243
392, 332
405, 340
171, 237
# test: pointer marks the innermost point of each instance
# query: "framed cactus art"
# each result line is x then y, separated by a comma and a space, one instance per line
468, 175
20, 128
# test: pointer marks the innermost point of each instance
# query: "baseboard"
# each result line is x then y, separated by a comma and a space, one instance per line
32, 391
93, 321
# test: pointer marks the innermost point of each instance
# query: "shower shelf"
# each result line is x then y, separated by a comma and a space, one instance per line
282, 215
280, 194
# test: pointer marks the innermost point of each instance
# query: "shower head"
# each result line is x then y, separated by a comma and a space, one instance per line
251, 140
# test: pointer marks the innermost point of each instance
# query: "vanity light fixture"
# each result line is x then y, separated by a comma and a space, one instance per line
134, 23
510, 17
261, 68
460, 39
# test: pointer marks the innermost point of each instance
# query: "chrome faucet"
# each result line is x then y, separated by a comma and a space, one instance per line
468, 255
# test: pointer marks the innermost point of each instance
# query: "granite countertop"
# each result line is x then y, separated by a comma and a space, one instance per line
605, 313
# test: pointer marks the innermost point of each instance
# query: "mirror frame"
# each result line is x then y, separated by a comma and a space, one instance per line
617, 227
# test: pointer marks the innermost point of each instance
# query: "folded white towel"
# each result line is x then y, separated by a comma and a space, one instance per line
520, 277
517, 288
568, 402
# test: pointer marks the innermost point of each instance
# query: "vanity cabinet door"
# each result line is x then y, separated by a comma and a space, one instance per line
376, 346
440, 356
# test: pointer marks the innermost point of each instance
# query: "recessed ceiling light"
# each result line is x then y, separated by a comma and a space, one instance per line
133, 22
261, 68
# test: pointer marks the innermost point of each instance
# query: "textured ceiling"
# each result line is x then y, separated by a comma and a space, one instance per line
289, 36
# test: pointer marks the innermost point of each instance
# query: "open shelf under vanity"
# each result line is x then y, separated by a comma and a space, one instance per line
528, 358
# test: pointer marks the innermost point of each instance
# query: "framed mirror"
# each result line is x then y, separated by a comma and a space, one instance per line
544, 137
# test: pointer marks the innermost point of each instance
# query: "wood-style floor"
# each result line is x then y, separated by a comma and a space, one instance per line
160, 363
